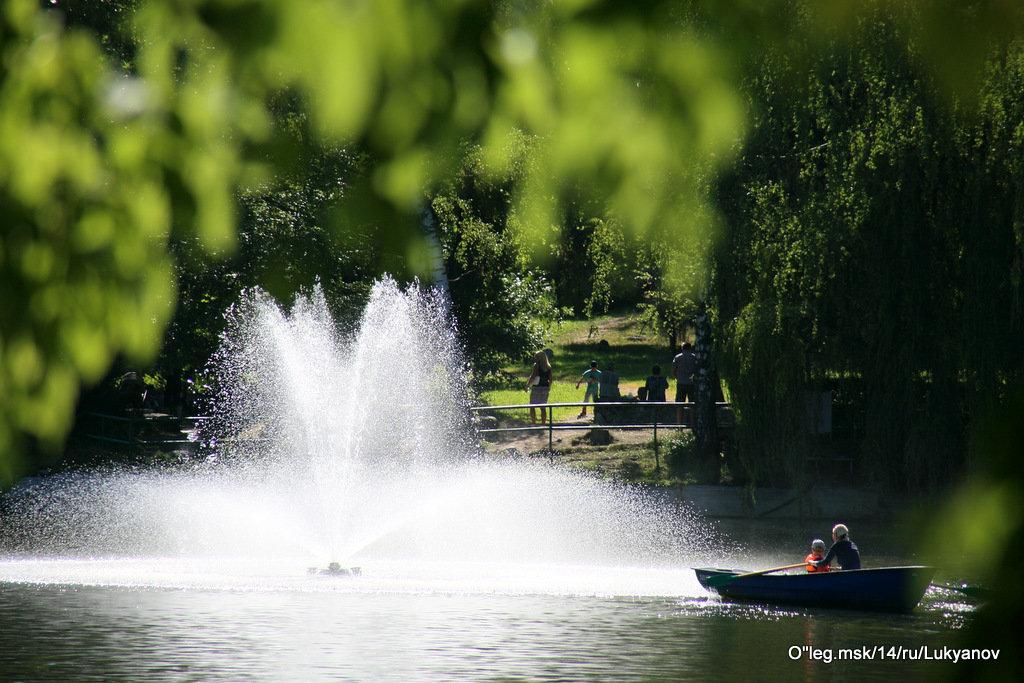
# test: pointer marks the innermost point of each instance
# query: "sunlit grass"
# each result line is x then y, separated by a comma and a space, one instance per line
561, 392
575, 343
621, 339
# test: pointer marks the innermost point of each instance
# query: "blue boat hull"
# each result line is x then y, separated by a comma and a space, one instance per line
889, 589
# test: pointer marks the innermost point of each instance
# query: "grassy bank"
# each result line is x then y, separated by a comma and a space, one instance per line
574, 344
630, 455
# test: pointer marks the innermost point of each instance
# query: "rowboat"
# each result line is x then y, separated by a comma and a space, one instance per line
888, 589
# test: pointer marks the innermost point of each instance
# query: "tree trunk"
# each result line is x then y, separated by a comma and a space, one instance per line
706, 428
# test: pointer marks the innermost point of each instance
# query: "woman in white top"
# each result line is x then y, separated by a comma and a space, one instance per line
539, 385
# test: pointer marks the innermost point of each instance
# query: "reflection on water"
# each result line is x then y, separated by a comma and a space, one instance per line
586, 608
330, 630
231, 619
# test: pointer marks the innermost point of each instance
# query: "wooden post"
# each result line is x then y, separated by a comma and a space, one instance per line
657, 464
551, 429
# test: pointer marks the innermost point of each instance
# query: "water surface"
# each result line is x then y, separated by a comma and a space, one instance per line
471, 569
160, 619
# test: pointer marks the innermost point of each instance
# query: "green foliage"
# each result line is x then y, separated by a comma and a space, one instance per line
282, 248
500, 302
84, 202
592, 264
674, 274
859, 220
681, 454
668, 306
502, 299
100, 168
976, 531
108, 20
685, 462
285, 245
132, 130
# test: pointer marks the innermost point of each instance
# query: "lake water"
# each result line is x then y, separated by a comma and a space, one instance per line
268, 619
473, 568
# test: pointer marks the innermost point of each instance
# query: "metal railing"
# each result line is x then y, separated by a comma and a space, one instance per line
125, 430
651, 407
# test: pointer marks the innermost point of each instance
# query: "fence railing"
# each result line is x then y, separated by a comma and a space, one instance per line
127, 430
652, 409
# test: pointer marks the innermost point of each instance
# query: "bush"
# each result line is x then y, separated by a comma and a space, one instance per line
684, 462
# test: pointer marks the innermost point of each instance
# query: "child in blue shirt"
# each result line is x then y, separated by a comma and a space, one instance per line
593, 378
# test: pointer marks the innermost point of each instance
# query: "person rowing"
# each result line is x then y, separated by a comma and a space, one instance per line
843, 550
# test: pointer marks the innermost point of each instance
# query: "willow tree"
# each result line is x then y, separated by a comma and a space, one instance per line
836, 264
860, 215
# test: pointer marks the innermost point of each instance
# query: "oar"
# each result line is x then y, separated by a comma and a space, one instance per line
723, 579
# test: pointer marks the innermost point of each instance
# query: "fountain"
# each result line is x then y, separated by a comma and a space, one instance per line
354, 449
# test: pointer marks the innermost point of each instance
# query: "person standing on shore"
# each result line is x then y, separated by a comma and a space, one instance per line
684, 366
609, 389
539, 385
656, 385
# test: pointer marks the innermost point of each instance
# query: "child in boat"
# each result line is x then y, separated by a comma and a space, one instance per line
843, 550
817, 552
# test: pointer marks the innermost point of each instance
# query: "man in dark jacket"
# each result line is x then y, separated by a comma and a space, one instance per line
684, 366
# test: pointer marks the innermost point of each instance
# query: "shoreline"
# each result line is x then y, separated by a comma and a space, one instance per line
824, 502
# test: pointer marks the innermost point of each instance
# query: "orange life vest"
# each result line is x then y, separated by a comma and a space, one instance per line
810, 560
